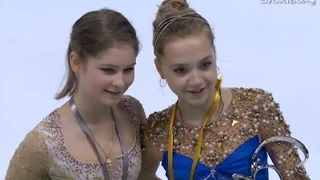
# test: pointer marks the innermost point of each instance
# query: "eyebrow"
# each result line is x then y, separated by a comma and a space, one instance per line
181, 64
115, 66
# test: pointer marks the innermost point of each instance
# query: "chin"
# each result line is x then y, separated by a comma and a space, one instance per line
110, 101
196, 102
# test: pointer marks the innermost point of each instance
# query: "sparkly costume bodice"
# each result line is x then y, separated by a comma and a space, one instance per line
43, 153
229, 142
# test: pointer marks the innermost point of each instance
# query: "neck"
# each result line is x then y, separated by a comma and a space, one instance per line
92, 111
195, 114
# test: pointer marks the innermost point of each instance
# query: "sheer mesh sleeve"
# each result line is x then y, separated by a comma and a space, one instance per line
30, 160
284, 155
138, 107
151, 154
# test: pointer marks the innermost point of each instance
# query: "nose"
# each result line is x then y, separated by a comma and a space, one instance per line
118, 80
195, 79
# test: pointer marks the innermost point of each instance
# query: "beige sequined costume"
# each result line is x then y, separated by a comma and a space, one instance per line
229, 142
43, 154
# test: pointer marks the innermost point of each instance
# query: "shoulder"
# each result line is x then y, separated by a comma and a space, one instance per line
264, 107
32, 152
248, 91
128, 100
36, 139
157, 121
134, 109
155, 128
30, 159
252, 96
49, 126
259, 103
131, 104
34, 142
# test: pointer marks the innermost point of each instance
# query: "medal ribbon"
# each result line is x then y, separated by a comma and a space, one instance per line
198, 147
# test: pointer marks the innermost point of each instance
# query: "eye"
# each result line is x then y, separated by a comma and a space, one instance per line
206, 65
108, 70
180, 70
128, 70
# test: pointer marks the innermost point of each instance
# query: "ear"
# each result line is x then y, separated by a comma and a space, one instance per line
75, 63
158, 64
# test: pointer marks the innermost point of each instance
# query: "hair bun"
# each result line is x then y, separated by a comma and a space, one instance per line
179, 5
170, 6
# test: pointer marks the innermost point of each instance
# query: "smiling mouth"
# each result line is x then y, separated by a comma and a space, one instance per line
196, 91
114, 93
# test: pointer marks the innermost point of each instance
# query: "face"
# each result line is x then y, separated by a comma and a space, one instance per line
189, 67
107, 77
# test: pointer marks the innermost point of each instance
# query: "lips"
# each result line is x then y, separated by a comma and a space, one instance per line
196, 91
113, 92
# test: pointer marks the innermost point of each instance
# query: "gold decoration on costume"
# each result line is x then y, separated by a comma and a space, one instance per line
234, 101
153, 123
234, 122
250, 97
